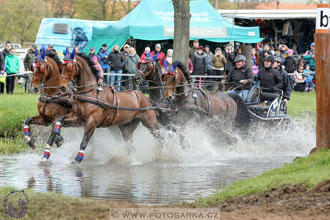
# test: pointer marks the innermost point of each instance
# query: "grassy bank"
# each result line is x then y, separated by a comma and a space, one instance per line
43, 206
14, 109
307, 171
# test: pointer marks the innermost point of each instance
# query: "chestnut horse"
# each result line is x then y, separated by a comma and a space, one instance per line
191, 100
103, 109
51, 105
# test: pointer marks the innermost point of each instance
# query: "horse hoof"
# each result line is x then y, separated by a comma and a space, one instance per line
59, 143
32, 143
59, 140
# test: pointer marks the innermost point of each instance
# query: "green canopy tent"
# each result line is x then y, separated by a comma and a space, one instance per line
153, 20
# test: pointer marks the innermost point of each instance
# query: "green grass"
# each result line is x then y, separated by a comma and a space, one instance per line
307, 171
302, 104
14, 109
53, 206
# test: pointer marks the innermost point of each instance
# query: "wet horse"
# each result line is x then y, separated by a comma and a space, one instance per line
52, 104
103, 109
194, 103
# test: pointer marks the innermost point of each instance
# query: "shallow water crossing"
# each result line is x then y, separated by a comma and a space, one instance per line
153, 175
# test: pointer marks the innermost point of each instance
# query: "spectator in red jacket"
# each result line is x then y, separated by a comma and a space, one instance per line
145, 53
158, 54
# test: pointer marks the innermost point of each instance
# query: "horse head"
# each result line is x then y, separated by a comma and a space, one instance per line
146, 69
41, 73
69, 74
171, 82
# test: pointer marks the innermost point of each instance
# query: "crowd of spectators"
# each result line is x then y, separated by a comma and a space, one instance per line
202, 62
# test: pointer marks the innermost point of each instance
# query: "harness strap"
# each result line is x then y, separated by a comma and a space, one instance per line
93, 100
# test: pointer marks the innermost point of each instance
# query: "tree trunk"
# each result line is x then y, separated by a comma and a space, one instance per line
247, 52
181, 31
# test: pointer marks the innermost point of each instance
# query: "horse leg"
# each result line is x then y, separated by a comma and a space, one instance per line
55, 136
89, 130
39, 120
127, 132
149, 120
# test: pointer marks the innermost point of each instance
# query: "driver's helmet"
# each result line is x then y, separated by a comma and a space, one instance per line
277, 59
270, 58
240, 58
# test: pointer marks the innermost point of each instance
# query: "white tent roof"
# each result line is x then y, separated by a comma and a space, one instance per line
269, 14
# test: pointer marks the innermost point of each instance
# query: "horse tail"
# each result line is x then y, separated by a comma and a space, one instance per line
184, 70
244, 117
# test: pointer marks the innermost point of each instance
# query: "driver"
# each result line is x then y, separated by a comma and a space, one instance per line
270, 78
240, 78
286, 86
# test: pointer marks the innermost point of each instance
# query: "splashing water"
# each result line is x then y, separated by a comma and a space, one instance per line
156, 175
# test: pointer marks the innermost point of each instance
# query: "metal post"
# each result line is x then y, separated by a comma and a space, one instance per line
322, 54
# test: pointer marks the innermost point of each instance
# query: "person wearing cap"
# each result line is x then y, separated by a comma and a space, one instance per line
230, 57
125, 53
30, 57
169, 56
51, 51
145, 53
158, 54
131, 66
193, 49
240, 79
310, 55
290, 63
199, 62
268, 77
286, 85
218, 65
116, 61
103, 56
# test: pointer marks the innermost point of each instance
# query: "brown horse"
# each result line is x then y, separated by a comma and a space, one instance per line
51, 105
103, 109
191, 100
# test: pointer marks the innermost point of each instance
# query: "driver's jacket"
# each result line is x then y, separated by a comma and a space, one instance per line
286, 86
270, 78
236, 75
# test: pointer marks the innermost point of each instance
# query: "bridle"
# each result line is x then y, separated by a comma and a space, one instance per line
151, 67
41, 65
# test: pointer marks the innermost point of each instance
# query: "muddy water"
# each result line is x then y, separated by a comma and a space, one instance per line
154, 175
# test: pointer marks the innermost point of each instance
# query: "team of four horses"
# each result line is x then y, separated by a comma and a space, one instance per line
69, 97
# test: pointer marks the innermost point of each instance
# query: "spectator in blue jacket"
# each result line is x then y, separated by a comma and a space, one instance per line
310, 55
103, 56
308, 77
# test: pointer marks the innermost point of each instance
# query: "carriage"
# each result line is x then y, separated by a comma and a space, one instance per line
267, 105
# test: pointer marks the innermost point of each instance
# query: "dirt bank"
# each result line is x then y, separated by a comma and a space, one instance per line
289, 202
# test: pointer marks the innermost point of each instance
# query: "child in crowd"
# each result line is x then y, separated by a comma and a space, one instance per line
308, 79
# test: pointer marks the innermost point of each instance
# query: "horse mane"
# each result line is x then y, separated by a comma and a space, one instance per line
55, 58
52, 62
184, 70
90, 63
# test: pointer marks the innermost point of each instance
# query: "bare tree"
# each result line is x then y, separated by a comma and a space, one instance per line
127, 8
181, 30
